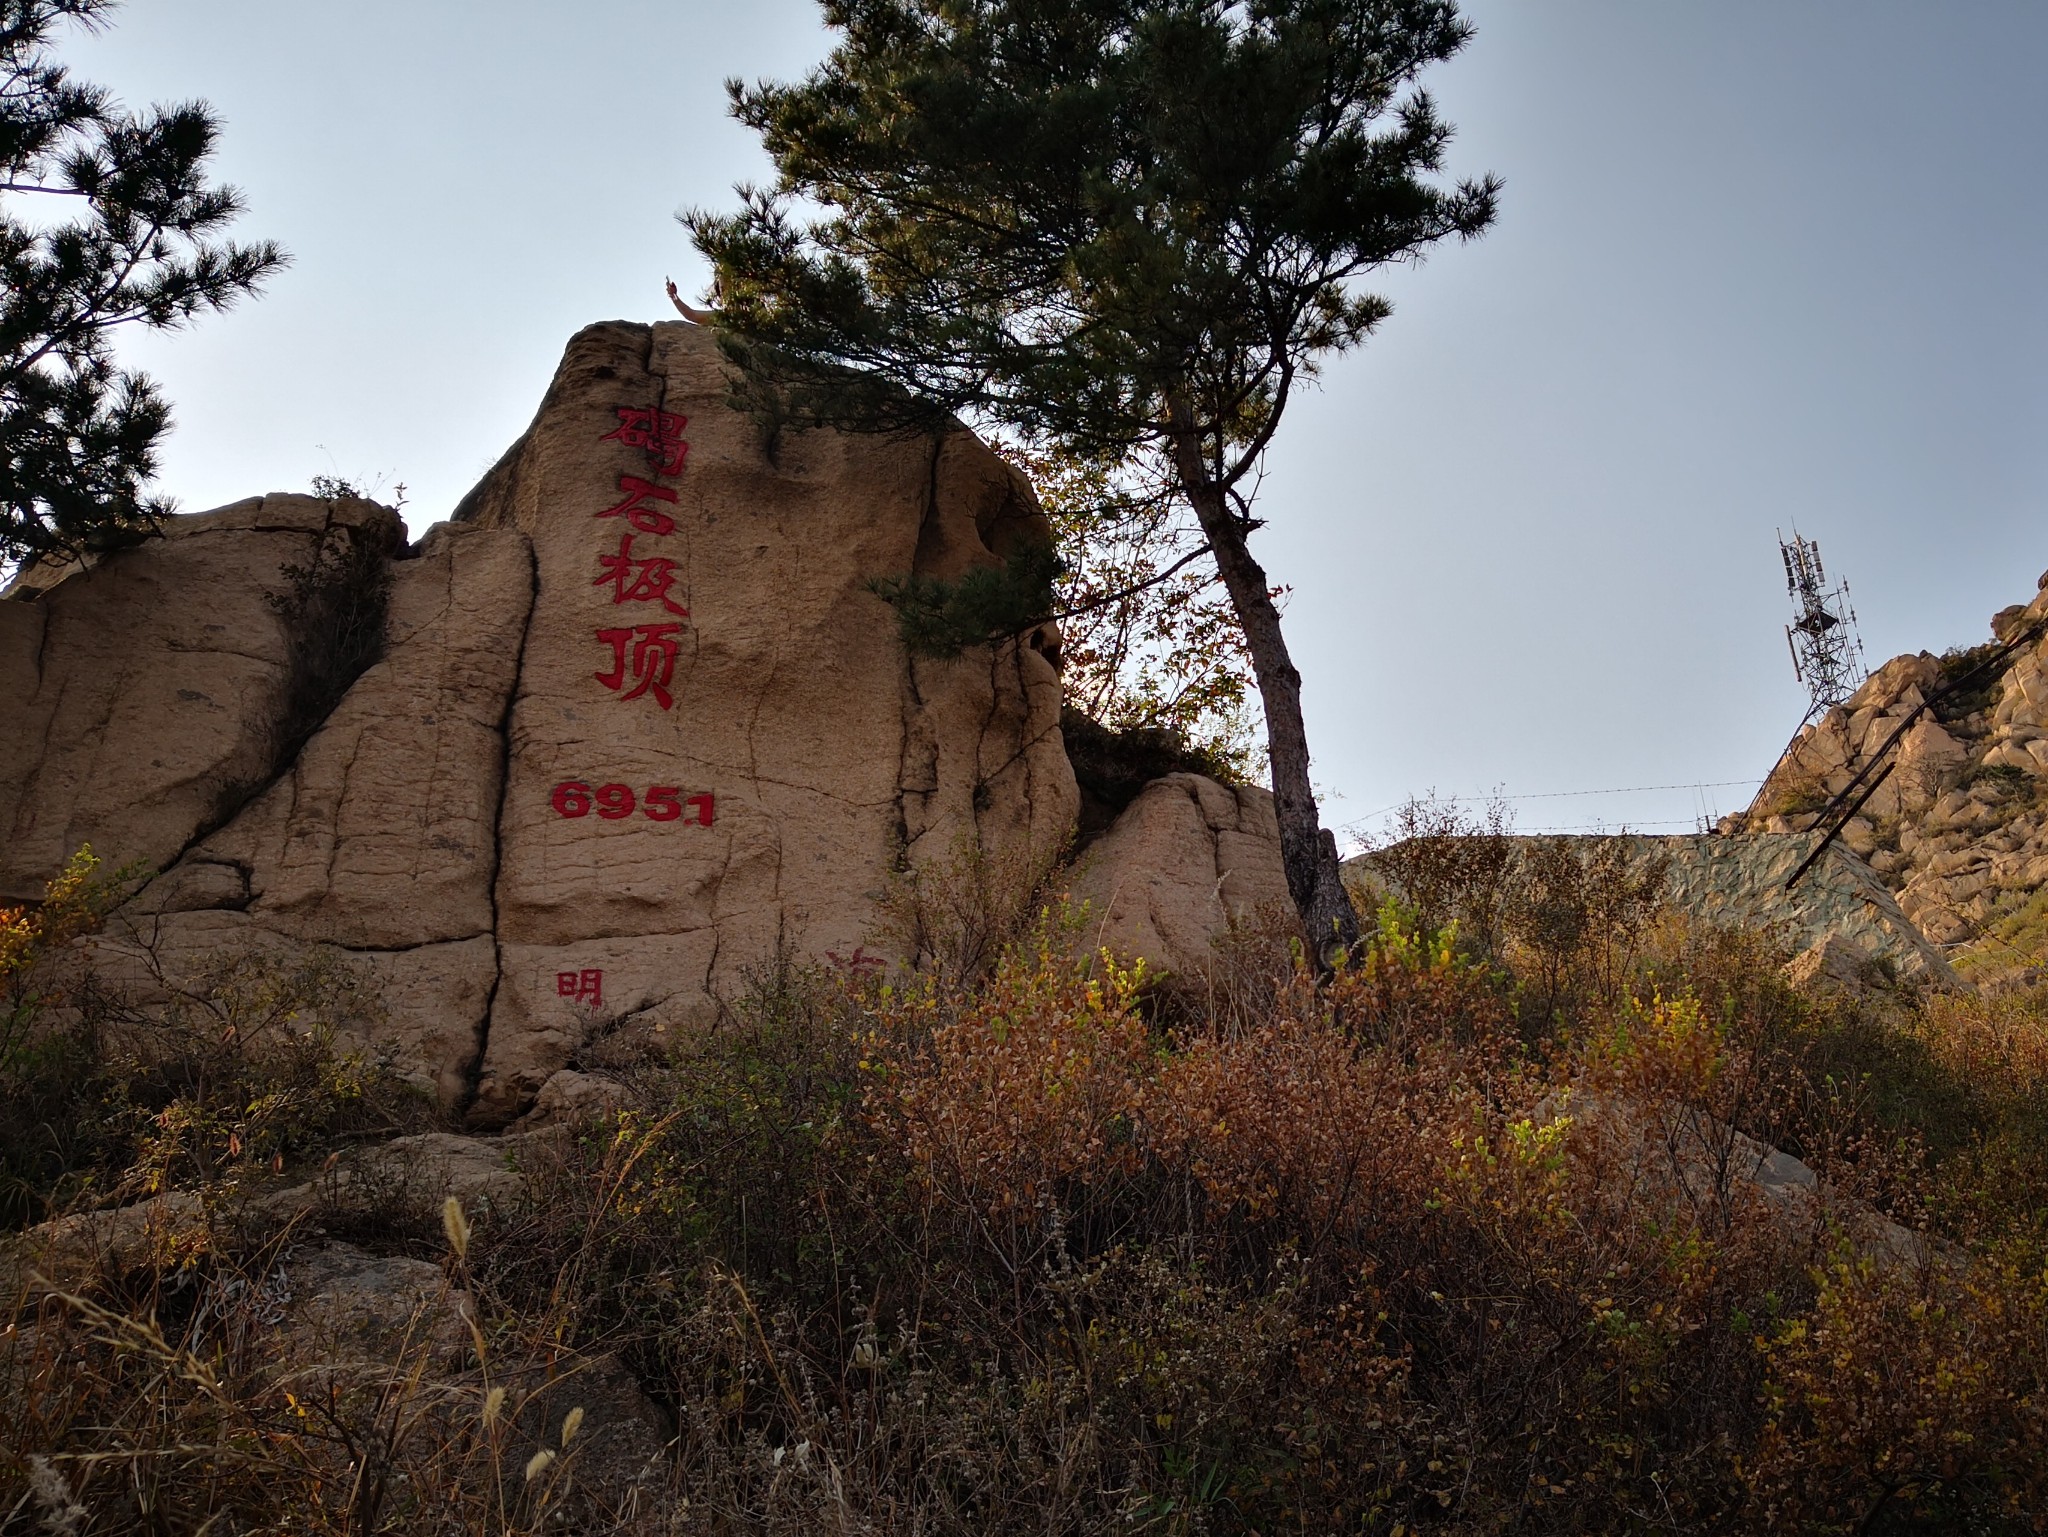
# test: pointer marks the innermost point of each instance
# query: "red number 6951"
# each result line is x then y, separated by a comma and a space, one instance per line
614, 802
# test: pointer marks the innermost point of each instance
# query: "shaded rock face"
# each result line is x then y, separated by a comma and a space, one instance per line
1959, 830
143, 698
638, 721
1186, 859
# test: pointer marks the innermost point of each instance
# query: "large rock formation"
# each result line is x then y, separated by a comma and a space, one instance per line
638, 722
1958, 829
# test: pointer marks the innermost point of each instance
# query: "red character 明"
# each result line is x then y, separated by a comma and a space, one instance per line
581, 987
639, 581
648, 520
660, 433
653, 661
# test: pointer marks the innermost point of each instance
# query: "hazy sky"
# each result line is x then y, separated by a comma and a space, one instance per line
1758, 261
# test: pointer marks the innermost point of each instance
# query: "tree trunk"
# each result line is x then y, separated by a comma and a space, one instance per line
1308, 853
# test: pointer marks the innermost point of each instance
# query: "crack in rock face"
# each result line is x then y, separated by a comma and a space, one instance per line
639, 721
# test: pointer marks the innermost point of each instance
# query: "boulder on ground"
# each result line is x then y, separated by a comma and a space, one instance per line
1184, 862
1832, 961
1681, 1155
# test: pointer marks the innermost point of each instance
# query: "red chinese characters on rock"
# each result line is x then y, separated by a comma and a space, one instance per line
659, 433
652, 650
644, 655
637, 580
581, 987
634, 509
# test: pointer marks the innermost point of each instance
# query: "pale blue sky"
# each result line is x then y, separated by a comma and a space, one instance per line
1756, 262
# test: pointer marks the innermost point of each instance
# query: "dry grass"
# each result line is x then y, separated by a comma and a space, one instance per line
1017, 1245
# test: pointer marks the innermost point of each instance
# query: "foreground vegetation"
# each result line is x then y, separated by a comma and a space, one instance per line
1465, 1239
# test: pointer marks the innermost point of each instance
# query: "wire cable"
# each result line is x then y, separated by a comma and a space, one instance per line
1546, 795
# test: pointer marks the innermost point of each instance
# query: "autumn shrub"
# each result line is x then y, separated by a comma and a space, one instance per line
1036, 1262
1568, 917
113, 1089
1453, 864
1576, 917
951, 916
1903, 1402
1019, 1249
1989, 1142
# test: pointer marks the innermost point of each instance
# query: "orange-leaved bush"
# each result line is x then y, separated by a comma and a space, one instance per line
999, 1095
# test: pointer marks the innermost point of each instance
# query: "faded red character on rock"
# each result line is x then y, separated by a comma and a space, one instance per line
659, 433
652, 649
634, 580
634, 509
581, 987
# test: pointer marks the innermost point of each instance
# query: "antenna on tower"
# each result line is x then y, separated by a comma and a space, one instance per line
1827, 653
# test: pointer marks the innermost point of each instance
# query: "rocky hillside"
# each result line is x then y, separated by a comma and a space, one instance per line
555, 778
1958, 828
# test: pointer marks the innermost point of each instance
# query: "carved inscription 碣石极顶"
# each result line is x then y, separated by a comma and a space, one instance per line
616, 802
643, 656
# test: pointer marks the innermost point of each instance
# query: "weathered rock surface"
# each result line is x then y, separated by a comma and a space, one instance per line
1957, 830
1183, 861
334, 1305
1834, 962
825, 753
382, 834
639, 720
143, 695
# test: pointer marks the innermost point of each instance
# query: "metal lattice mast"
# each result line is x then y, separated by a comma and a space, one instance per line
1827, 653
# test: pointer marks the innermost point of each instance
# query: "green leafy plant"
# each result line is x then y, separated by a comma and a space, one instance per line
1125, 231
940, 618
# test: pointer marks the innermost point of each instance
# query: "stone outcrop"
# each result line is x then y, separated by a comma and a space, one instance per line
1740, 880
639, 720
821, 752
1958, 831
143, 697
1683, 1156
1183, 862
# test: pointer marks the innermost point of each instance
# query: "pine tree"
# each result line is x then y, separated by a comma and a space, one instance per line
1124, 229
106, 220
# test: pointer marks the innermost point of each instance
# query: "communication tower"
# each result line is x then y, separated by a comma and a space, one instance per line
1827, 653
